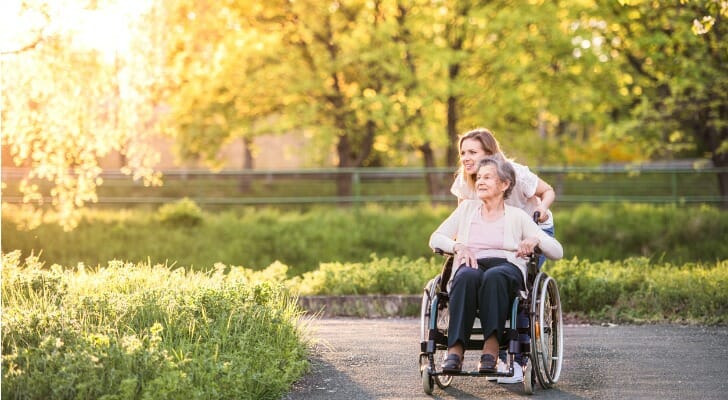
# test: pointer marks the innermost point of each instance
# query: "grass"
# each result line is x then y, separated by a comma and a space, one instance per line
208, 187
137, 331
181, 233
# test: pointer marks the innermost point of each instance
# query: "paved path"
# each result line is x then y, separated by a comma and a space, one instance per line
378, 359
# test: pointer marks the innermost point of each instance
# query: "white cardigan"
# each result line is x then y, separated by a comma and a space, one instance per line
518, 226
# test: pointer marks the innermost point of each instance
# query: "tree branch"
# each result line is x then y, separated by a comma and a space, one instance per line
25, 48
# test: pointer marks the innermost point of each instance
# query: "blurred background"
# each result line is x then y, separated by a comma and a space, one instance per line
175, 173
142, 102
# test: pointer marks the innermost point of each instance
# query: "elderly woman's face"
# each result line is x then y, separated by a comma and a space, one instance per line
488, 185
471, 151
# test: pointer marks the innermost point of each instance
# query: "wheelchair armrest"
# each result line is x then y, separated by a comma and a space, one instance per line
442, 252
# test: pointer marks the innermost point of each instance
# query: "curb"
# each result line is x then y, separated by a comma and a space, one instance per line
362, 306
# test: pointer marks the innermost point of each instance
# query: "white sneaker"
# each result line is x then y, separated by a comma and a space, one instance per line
517, 375
501, 368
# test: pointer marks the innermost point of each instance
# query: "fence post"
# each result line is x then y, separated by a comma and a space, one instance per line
356, 184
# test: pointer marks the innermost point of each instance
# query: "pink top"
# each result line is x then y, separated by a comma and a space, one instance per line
486, 237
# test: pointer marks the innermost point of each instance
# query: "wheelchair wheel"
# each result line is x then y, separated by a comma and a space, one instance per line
427, 297
546, 331
427, 361
427, 381
443, 381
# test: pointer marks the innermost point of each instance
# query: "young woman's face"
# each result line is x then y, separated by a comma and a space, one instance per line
487, 183
471, 151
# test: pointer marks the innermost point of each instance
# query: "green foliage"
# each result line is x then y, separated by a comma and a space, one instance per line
634, 290
380, 83
378, 276
619, 231
255, 238
671, 73
638, 290
182, 213
130, 331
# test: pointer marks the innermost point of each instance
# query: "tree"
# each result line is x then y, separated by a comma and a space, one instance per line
677, 80
380, 77
68, 101
329, 69
348, 76
516, 70
224, 82
553, 82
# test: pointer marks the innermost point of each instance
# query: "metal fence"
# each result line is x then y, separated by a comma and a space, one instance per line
573, 185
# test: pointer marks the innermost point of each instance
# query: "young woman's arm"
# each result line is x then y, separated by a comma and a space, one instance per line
546, 193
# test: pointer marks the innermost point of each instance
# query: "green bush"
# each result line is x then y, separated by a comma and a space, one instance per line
255, 238
142, 331
249, 237
145, 332
182, 213
378, 276
638, 290
633, 290
620, 231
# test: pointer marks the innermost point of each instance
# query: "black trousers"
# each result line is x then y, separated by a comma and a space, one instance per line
487, 292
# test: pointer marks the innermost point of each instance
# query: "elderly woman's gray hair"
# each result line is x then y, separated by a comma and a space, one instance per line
503, 168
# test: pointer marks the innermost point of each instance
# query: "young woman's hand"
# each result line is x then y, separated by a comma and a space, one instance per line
526, 247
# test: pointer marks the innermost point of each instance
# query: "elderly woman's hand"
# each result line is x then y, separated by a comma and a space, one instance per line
463, 255
526, 247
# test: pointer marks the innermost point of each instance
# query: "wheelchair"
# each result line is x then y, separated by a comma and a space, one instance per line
534, 330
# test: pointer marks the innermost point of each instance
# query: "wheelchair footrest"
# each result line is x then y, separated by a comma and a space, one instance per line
474, 373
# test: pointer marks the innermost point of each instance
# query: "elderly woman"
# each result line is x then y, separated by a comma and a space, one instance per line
491, 242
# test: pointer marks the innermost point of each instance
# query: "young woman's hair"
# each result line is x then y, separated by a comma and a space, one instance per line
503, 168
490, 146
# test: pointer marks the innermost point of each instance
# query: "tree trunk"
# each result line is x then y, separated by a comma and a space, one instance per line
452, 131
343, 181
437, 184
723, 185
245, 179
712, 139
720, 160
452, 120
351, 157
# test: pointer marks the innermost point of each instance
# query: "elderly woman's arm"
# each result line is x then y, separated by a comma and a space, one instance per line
444, 236
550, 247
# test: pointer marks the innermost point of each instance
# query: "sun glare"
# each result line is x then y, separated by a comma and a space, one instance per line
106, 29
18, 29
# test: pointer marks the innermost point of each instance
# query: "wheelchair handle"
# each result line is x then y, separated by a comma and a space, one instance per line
536, 216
